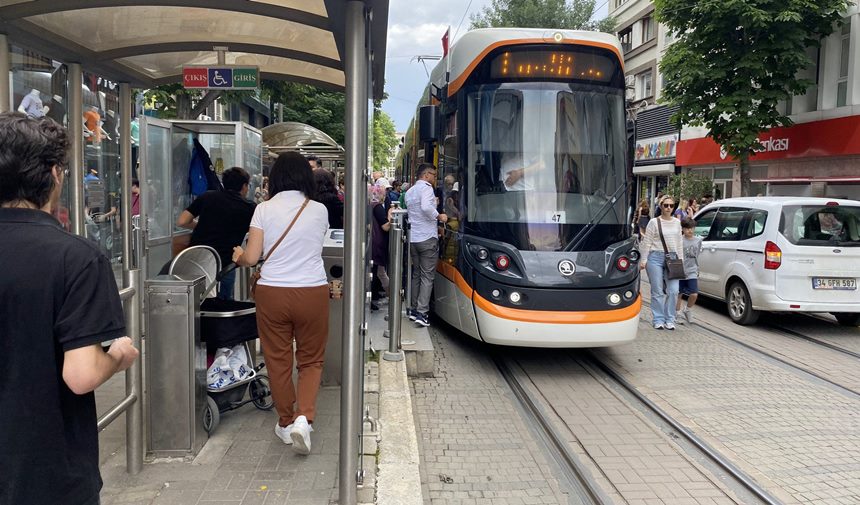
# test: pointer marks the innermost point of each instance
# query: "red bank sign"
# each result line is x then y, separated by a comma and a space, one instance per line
831, 137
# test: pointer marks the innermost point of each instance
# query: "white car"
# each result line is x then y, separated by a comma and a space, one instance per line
781, 254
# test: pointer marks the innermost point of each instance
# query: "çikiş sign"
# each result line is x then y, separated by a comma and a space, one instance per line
221, 77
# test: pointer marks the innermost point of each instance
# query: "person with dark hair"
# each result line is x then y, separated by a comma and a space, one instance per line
292, 293
689, 286
424, 241
314, 162
327, 195
220, 219
58, 302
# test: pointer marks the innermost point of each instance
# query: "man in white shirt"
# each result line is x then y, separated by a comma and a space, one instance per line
424, 241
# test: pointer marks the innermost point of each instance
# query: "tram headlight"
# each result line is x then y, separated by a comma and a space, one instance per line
482, 254
515, 297
633, 255
614, 299
496, 293
628, 295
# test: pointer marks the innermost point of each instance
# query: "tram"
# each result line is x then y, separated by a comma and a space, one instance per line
528, 130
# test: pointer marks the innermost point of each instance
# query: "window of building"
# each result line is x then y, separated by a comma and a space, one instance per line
644, 86
626, 39
845, 50
647, 29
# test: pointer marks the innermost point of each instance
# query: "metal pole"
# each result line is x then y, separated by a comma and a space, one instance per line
125, 173
408, 232
5, 67
76, 162
355, 67
134, 378
395, 306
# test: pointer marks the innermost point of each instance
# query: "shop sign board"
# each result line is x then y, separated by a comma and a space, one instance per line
831, 137
656, 148
221, 77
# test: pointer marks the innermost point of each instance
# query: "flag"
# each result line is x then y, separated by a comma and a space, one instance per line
445, 42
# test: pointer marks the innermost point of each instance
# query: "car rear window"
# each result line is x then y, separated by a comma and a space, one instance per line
821, 224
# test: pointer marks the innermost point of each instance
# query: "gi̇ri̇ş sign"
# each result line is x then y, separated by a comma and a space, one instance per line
221, 77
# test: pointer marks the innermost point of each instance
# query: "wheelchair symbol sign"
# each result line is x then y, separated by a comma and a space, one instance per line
220, 77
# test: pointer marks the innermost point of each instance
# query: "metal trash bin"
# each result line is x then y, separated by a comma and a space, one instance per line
333, 262
175, 366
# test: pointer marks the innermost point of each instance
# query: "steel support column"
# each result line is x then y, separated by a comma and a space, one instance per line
125, 174
355, 68
76, 157
5, 67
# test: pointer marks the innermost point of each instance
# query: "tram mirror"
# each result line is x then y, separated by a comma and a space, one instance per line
428, 122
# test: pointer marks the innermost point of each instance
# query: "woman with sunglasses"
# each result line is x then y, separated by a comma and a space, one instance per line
664, 292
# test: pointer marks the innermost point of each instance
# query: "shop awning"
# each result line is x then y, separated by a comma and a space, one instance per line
661, 169
806, 180
148, 42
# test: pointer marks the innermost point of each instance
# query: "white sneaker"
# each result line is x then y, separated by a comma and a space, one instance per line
670, 326
301, 435
284, 433
679, 317
688, 315
658, 326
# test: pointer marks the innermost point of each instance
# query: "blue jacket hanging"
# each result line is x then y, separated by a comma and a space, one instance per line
201, 175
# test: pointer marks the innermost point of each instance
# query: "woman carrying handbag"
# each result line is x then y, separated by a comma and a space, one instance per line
662, 250
292, 293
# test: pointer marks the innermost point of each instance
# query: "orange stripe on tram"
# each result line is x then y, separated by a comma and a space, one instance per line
539, 316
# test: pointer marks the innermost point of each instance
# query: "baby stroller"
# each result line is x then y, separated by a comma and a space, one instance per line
225, 323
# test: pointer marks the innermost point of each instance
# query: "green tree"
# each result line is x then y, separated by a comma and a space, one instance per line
559, 14
689, 185
384, 140
733, 61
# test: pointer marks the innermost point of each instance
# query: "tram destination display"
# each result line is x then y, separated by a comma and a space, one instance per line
560, 64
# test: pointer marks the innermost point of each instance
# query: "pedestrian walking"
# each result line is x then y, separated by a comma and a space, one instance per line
643, 215
58, 303
424, 241
326, 194
689, 286
380, 225
664, 291
292, 293
220, 220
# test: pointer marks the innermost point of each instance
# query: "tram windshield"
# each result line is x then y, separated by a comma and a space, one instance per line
543, 160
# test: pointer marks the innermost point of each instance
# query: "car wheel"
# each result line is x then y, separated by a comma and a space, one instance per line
847, 318
740, 304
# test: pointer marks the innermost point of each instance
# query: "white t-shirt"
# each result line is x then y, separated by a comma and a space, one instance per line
297, 262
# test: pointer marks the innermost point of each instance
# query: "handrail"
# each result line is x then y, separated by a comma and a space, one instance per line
131, 404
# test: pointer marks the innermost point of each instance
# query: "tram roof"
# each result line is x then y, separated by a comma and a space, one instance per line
473, 46
148, 42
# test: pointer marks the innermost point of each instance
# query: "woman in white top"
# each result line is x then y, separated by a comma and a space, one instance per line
292, 293
664, 292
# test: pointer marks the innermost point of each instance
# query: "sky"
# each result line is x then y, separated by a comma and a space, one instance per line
415, 28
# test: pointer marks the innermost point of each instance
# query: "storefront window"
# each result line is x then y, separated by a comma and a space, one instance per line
39, 90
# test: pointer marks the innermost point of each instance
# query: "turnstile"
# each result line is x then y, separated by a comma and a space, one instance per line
333, 262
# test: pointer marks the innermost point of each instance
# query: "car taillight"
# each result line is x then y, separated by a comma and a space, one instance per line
502, 262
833, 204
623, 263
772, 256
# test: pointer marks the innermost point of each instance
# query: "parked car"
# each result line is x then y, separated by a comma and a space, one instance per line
781, 254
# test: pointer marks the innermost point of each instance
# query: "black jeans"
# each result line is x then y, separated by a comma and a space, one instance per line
92, 501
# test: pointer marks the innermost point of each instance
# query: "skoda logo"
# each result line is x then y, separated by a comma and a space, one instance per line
566, 268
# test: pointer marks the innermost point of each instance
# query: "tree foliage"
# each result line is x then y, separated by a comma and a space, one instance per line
559, 14
735, 60
384, 140
689, 185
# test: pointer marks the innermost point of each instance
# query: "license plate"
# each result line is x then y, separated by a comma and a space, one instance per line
834, 283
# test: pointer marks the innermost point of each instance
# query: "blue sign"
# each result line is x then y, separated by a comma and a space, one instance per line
220, 77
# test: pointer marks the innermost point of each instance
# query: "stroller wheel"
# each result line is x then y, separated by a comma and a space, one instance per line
211, 415
261, 393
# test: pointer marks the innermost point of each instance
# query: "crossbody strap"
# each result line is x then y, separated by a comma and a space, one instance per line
299, 213
660, 228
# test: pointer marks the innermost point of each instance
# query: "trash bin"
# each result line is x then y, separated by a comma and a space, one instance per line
333, 262
175, 366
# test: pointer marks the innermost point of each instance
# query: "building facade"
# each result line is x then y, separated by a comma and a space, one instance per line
817, 156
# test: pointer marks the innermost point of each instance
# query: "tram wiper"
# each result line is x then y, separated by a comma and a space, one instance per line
583, 234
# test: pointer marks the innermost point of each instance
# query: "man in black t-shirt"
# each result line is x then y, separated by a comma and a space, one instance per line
223, 219
58, 302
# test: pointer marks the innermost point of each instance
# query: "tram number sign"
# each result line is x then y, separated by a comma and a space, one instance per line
221, 77
559, 217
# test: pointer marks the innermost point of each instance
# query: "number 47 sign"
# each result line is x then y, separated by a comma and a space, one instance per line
558, 216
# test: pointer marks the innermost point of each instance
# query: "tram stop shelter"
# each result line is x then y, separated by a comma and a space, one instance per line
333, 44
304, 139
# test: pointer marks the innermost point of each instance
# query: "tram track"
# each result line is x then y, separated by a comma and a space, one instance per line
772, 356
573, 471
815, 340
744, 480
